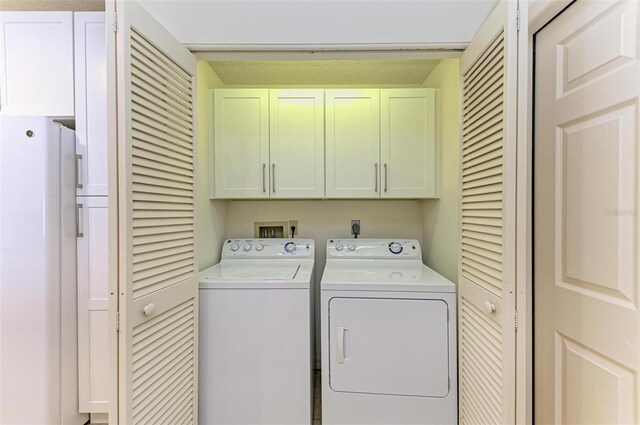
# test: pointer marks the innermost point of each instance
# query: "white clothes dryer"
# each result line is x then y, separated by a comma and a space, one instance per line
388, 328
256, 336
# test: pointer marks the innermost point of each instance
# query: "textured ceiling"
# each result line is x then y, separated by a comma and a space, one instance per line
324, 72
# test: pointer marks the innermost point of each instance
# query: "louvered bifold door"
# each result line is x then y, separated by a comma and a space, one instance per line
486, 293
157, 265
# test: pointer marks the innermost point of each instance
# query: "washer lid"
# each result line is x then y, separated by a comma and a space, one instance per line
255, 272
258, 274
372, 275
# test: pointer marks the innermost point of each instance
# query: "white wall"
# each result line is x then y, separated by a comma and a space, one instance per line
259, 22
440, 223
211, 216
322, 220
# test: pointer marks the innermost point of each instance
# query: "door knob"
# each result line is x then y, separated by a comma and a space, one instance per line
149, 310
489, 307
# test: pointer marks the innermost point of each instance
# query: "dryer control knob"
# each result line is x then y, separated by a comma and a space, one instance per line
352, 247
395, 247
247, 247
235, 247
290, 247
339, 247
259, 247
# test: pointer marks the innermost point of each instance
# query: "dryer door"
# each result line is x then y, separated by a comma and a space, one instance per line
389, 346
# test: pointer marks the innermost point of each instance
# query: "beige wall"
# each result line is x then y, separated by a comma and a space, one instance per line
211, 215
440, 227
36, 5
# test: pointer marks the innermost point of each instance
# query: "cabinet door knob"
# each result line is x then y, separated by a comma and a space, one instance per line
149, 309
489, 307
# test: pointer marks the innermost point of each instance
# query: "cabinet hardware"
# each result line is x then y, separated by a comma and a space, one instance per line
375, 176
79, 184
273, 177
79, 226
264, 182
386, 177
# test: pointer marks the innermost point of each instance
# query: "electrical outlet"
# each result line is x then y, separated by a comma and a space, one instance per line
355, 223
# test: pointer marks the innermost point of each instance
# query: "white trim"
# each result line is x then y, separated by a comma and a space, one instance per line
327, 55
537, 13
329, 47
542, 11
113, 205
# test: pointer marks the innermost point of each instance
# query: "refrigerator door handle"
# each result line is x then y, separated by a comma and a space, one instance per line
79, 224
79, 184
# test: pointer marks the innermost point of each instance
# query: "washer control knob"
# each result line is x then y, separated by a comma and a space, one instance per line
290, 247
247, 247
235, 247
352, 247
395, 247
339, 247
259, 247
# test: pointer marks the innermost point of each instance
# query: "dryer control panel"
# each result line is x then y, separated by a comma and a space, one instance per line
374, 248
268, 248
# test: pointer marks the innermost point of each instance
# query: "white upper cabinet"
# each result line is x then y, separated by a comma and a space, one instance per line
408, 146
353, 143
315, 143
241, 143
36, 63
297, 143
91, 103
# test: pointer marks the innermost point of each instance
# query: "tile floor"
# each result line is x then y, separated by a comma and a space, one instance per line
317, 399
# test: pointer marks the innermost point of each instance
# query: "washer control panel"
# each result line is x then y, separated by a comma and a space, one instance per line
268, 248
374, 248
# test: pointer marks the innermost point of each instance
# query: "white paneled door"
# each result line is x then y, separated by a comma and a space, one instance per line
157, 266
486, 292
586, 287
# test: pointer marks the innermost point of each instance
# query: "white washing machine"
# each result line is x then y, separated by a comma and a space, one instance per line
388, 336
256, 334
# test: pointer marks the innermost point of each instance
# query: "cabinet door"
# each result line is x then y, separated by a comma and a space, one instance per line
409, 150
36, 58
93, 305
91, 102
353, 143
241, 143
297, 143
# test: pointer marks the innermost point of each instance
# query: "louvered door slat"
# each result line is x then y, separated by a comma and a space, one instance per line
144, 87
141, 121
157, 255
495, 49
486, 338
473, 96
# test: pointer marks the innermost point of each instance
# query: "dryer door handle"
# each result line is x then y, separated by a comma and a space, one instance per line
340, 343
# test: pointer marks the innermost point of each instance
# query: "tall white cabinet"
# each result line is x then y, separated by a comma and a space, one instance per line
36, 63
92, 215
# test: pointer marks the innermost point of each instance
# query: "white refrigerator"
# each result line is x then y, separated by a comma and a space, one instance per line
38, 314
